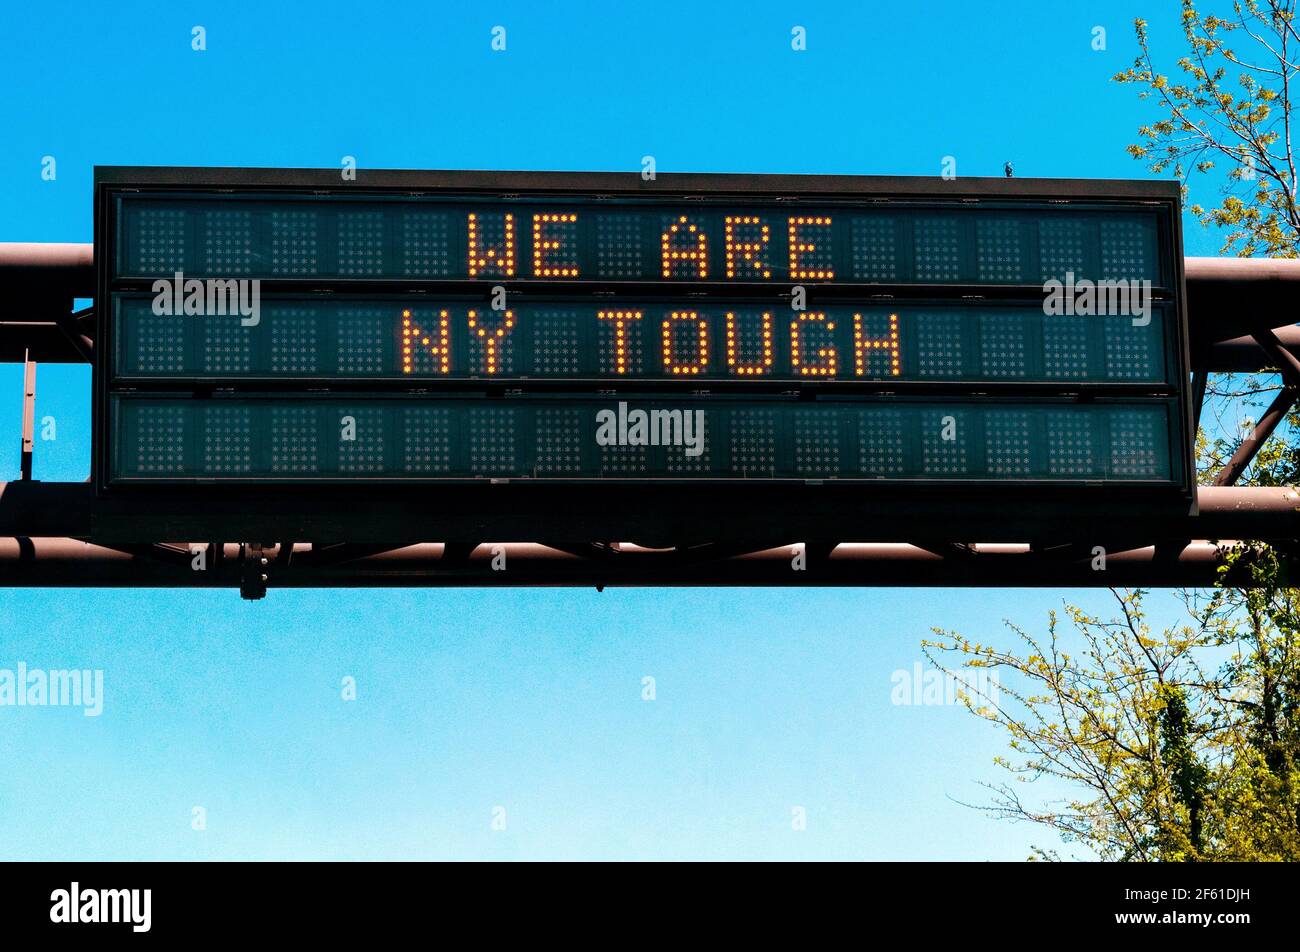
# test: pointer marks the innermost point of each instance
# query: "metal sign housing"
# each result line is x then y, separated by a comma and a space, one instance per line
852, 345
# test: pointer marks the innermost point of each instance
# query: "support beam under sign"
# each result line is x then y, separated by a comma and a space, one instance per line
67, 563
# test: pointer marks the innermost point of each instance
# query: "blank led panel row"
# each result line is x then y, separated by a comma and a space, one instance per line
286, 439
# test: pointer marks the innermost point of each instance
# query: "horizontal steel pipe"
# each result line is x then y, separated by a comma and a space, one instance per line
72, 564
1226, 297
68, 269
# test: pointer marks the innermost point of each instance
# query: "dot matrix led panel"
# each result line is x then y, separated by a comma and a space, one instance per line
278, 438
583, 238
739, 341
287, 326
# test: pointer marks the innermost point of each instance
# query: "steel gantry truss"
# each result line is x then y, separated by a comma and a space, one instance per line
62, 534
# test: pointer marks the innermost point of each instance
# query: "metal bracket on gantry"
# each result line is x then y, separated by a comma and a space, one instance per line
254, 571
29, 417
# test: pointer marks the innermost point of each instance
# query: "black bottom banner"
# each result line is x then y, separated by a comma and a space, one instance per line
89, 902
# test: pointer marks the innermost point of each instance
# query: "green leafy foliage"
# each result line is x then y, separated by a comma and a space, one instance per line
1172, 755
1228, 107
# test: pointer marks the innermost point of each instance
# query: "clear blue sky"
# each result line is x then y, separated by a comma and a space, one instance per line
529, 699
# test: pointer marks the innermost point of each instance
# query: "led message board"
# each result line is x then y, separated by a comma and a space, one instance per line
264, 326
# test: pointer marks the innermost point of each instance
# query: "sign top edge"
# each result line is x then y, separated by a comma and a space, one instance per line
632, 182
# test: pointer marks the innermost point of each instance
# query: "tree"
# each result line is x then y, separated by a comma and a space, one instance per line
1182, 744
1170, 756
1206, 121
1232, 104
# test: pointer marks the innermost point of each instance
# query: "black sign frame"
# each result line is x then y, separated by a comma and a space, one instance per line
789, 191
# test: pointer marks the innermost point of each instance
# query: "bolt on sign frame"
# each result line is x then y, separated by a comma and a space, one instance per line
597, 356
